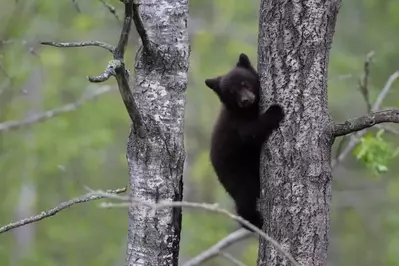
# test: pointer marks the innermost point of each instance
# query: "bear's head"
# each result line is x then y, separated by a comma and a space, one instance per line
239, 88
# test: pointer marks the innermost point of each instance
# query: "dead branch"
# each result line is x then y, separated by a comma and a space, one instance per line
122, 75
116, 68
216, 249
363, 122
231, 259
113, 194
205, 206
76, 5
364, 81
104, 45
57, 209
9, 125
108, 72
111, 9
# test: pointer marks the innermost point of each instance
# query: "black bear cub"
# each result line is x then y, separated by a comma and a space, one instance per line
238, 136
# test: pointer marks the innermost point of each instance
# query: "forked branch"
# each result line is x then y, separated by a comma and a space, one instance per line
116, 67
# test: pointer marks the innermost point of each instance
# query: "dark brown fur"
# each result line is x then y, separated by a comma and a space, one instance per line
238, 136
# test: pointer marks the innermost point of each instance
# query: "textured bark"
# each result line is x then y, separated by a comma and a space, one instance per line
156, 160
294, 42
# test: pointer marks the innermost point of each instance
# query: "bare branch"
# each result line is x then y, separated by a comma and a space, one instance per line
117, 68
93, 195
356, 137
363, 82
55, 112
147, 46
111, 9
76, 5
57, 209
205, 206
104, 45
340, 146
130, 103
385, 90
124, 36
388, 129
232, 259
108, 72
216, 249
360, 123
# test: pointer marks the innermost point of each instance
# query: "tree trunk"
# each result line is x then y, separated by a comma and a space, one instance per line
294, 43
156, 161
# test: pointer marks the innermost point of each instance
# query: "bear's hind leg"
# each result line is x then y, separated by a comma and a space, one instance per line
246, 208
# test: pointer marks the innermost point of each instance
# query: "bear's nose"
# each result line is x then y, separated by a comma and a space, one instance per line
246, 101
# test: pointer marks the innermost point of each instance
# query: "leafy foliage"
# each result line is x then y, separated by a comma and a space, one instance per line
375, 152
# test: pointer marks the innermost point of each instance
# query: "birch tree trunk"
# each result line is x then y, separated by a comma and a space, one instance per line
294, 43
156, 160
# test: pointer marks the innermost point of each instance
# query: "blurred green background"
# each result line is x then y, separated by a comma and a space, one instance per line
50, 162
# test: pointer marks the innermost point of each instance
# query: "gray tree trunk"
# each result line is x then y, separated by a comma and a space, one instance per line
156, 161
25, 236
294, 43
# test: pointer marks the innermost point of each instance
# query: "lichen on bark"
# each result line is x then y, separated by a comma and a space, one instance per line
156, 161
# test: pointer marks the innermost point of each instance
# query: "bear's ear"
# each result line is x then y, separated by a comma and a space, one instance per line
243, 61
213, 83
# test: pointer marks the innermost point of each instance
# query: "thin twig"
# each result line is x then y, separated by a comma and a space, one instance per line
8, 125
94, 195
205, 206
58, 208
216, 249
232, 259
340, 146
388, 129
111, 9
385, 90
104, 45
363, 82
76, 5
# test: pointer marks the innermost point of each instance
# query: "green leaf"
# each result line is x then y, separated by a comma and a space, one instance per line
375, 152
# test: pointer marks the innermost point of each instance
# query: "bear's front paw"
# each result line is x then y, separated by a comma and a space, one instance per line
275, 112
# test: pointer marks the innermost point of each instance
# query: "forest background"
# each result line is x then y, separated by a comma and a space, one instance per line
49, 162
